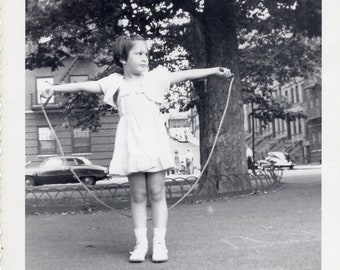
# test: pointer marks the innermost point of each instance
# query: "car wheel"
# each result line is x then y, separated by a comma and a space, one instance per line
29, 181
89, 180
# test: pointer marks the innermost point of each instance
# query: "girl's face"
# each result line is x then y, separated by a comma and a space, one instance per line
138, 58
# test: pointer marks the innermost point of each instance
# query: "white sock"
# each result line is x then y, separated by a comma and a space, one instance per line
141, 236
159, 235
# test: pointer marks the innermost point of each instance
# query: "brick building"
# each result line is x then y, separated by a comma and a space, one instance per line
40, 143
313, 121
300, 137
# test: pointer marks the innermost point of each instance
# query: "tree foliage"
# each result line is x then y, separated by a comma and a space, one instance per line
267, 41
276, 39
279, 42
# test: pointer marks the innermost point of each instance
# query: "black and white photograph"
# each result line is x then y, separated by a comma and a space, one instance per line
143, 134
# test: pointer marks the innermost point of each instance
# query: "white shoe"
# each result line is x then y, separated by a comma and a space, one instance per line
138, 254
160, 252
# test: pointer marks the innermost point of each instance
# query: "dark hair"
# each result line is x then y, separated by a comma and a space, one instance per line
122, 46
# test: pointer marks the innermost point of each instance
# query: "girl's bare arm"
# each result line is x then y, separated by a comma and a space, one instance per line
193, 74
90, 86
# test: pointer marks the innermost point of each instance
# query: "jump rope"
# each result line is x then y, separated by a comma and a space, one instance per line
44, 104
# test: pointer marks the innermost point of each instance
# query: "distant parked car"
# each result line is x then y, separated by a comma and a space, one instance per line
55, 170
275, 160
179, 134
181, 138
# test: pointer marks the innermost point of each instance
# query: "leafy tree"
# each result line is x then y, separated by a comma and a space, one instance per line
260, 40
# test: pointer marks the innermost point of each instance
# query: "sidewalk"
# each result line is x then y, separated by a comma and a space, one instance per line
308, 166
277, 230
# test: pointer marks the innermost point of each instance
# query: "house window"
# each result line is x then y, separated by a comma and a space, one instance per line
304, 94
317, 101
300, 125
310, 99
297, 93
53, 162
294, 126
46, 141
292, 95
314, 139
317, 139
81, 141
41, 84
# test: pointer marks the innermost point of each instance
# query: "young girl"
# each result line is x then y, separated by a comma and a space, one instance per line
141, 151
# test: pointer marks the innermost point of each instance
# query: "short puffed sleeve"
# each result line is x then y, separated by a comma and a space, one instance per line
157, 83
109, 86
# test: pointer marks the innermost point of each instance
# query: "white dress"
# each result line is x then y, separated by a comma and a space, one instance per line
141, 143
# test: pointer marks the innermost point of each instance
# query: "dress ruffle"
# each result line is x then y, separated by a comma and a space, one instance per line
143, 163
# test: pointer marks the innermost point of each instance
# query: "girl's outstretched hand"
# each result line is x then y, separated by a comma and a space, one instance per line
224, 72
47, 92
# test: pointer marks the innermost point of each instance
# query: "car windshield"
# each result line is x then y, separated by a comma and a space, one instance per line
277, 155
71, 162
52, 162
56, 162
77, 161
83, 161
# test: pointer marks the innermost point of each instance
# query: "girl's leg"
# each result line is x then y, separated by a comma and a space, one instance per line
156, 188
138, 194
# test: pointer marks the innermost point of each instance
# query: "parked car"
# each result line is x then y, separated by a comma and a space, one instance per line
275, 160
179, 134
55, 170
182, 138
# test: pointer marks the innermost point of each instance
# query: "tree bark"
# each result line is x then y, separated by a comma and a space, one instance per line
216, 33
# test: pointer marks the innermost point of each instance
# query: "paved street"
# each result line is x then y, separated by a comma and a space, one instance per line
307, 174
274, 230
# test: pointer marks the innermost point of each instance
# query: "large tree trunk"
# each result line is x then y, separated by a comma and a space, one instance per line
215, 35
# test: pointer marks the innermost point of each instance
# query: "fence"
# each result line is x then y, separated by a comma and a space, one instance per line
74, 198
